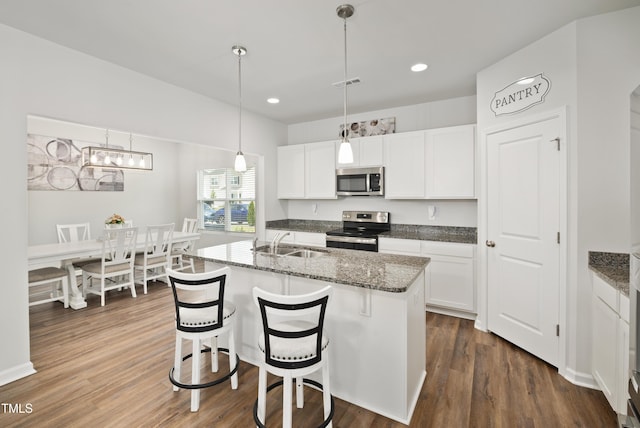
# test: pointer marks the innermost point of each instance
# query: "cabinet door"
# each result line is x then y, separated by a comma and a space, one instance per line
404, 156
604, 344
451, 284
623, 370
371, 151
450, 162
320, 170
291, 167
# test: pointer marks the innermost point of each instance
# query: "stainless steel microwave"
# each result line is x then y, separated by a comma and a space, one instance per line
360, 181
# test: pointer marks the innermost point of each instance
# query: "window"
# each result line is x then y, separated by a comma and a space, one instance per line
226, 200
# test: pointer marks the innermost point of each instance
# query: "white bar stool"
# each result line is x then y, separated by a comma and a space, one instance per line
294, 344
202, 314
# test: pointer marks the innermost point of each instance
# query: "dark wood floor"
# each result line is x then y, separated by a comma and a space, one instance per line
108, 366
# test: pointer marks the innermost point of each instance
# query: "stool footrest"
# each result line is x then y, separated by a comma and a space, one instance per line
207, 384
308, 382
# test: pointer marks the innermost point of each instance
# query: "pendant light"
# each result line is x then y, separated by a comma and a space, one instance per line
345, 153
113, 158
240, 163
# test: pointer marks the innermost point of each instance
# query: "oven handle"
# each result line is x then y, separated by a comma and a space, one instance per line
352, 239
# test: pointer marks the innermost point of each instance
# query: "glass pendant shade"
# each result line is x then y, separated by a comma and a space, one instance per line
240, 164
345, 153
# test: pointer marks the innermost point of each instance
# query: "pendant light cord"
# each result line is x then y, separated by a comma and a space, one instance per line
239, 101
344, 97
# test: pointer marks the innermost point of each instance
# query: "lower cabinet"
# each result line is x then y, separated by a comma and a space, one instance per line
301, 238
450, 286
610, 343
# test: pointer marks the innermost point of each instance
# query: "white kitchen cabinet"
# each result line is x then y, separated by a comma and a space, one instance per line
291, 165
452, 285
310, 239
307, 171
367, 151
450, 288
450, 158
320, 170
404, 156
610, 342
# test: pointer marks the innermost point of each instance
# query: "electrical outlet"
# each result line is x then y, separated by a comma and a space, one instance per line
431, 209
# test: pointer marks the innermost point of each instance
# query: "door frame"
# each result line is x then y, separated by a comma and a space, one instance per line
482, 259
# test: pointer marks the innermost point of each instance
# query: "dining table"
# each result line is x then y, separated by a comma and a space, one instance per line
63, 254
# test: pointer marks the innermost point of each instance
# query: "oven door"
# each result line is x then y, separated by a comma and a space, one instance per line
352, 242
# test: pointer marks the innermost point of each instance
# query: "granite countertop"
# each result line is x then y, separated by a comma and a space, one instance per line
364, 269
463, 235
613, 268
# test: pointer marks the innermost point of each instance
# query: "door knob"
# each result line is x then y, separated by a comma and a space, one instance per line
490, 244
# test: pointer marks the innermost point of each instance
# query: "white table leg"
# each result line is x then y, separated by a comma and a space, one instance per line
76, 301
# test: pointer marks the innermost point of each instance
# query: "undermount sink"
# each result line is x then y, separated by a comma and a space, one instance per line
289, 251
307, 254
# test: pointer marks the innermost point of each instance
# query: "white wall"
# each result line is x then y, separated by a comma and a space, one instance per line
593, 66
457, 111
43, 79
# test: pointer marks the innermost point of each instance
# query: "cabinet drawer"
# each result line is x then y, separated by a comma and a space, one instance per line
605, 292
311, 239
447, 249
399, 246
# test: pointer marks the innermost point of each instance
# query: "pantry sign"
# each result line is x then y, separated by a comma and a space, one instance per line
521, 95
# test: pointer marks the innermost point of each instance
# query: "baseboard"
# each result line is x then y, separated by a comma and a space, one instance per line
581, 379
15, 373
451, 312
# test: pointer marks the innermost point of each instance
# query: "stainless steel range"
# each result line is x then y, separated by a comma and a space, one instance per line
360, 230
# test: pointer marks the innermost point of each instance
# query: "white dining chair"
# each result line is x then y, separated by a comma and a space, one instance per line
154, 261
181, 249
73, 233
115, 268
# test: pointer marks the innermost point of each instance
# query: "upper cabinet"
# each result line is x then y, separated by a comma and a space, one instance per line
291, 171
404, 156
367, 151
432, 164
320, 170
450, 162
307, 171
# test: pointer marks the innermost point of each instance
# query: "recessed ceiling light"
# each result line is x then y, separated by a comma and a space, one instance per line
273, 100
419, 67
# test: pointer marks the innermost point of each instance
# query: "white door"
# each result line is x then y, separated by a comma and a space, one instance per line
523, 190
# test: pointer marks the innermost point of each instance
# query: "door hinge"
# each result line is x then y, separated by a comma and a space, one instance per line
557, 140
558, 330
558, 238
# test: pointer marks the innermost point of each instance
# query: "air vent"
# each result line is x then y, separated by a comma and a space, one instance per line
352, 81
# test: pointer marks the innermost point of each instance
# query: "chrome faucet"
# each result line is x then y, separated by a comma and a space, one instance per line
276, 241
255, 243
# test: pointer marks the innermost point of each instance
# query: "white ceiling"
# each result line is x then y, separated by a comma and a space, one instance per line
295, 47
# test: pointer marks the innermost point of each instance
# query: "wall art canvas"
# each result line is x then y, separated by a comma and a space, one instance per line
367, 128
55, 163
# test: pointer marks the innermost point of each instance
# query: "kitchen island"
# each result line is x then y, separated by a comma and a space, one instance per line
375, 319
